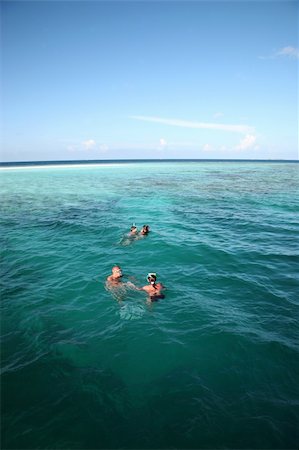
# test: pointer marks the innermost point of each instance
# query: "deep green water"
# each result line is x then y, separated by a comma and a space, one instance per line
213, 365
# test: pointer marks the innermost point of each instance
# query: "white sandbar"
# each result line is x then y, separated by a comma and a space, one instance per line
64, 166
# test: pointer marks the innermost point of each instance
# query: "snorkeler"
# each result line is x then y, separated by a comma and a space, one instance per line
145, 230
134, 235
130, 237
133, 230
153, 289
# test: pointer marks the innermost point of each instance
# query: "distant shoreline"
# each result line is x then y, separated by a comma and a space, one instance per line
21, 166
122, 162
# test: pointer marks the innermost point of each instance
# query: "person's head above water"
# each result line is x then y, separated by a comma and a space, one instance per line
133, 229
145, 229
117, 272
154, 288
116, 275
151, 277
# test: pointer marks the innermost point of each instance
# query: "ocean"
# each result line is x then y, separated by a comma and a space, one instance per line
213, 365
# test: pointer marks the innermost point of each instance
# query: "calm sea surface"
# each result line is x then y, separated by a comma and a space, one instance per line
213, 365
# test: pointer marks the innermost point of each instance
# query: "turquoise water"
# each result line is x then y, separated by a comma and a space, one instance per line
213, 365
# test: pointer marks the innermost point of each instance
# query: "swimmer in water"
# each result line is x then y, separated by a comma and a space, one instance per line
116, 276
133, 230
145, 230
153, 288
116, 285
130, 237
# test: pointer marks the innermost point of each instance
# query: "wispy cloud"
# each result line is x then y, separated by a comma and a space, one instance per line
290, 52
163, 142
285, 52
198, 125
88, 145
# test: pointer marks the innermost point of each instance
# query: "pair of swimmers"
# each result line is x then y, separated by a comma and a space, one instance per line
134, 235
134, 230
153, 289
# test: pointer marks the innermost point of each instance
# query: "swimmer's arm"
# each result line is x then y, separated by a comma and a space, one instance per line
144, 288
140, 288
130, 277
131, 285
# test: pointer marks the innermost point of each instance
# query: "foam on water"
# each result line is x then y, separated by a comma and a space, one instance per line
213, 365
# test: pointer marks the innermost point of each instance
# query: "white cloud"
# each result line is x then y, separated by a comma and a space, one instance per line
247, 142
285, 52
198, 125
207, 147
163, 145
89, 144
289, 51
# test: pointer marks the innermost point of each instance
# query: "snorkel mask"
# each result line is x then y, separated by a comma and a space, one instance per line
133, 227
150, 277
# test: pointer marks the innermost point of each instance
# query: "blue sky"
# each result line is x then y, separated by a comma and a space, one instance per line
141, 79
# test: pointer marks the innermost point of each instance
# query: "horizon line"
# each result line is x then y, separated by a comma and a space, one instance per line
145, 160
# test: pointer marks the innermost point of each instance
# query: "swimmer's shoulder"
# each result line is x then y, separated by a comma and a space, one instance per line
146, 288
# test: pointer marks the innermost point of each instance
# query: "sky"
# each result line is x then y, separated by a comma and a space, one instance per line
149, 79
